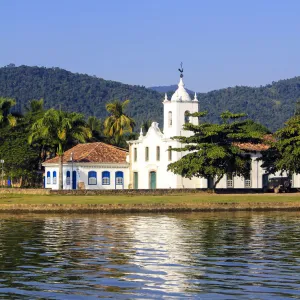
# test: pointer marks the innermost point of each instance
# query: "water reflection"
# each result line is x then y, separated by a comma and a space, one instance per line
199, 255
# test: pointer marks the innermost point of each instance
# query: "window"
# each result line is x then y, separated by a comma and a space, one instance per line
186, 117
247, 178
105, 178
158, 153
170, 153
54, 177
170, 119
119, 178
247, 181
146, 153
68, 180
229, 180
135, 154
92, 177
48, 178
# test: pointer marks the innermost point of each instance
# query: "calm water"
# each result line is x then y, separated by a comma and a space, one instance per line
196, 256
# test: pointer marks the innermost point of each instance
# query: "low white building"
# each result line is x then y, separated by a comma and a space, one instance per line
89, 166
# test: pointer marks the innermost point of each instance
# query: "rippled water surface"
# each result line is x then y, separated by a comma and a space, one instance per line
196, 256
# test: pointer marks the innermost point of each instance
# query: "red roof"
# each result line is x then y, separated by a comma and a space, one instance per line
268, 138
93, 153
252, 147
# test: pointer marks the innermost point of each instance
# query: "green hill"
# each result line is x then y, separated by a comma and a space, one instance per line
271, 105
76, 92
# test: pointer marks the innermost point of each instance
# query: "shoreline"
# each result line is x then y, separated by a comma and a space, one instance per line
146, 208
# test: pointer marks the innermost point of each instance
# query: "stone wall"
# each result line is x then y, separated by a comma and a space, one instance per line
25, 191
157, 192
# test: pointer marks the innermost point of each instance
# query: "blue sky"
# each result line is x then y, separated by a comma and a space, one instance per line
221, 42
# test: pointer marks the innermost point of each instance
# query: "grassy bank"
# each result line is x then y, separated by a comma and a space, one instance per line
183, 202
147, 199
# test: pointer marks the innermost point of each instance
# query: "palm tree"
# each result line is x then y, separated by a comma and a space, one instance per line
95, 126
60, 129
118, 122
35, 106
5, 112
146, 125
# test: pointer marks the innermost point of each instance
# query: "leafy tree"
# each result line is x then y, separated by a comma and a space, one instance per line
284, 154
21, 159
60, 129
213, 148
118, 123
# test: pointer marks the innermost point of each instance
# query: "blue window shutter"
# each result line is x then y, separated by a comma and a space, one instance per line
92, 177
105, 178
68, 181
54, 177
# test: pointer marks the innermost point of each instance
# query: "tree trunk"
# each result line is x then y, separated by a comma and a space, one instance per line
216, 182
60, 172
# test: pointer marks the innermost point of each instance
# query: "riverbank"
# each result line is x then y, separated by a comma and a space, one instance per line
17, 203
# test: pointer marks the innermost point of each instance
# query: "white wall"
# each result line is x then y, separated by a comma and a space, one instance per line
164, 178
82, 175
178, 110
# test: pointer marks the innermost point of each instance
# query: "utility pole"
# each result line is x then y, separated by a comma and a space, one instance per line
71, 158
2, 162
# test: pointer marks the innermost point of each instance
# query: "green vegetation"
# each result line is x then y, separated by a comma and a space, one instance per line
270, 105
118, 123
74, 92
284, 153
213, 148
148, 199
59, 129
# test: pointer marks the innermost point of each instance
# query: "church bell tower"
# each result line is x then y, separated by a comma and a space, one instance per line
176, 108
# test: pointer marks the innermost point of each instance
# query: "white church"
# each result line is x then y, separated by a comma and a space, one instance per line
102, 166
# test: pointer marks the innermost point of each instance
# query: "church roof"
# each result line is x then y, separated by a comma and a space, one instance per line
93, 153
181, 94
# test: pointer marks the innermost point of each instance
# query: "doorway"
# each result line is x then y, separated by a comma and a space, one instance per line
152, 180
74, 180
135, 180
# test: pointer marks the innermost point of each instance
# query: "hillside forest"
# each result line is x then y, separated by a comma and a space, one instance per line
269, 105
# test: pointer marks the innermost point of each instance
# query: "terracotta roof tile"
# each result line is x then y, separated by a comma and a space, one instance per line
268, 139
253, 147
94, 153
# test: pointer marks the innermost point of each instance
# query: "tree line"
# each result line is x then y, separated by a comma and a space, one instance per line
270, 105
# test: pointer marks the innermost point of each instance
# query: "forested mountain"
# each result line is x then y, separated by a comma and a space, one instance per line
76, 92
168, 88
271, 105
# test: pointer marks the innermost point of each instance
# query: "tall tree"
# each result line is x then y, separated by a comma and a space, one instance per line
35, 107
59, 129
284, 154
95, 126
213, 149
118, 122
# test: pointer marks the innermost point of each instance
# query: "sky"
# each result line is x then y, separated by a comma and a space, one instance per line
221, 43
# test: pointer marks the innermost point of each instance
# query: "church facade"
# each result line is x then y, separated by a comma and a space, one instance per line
150, 155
